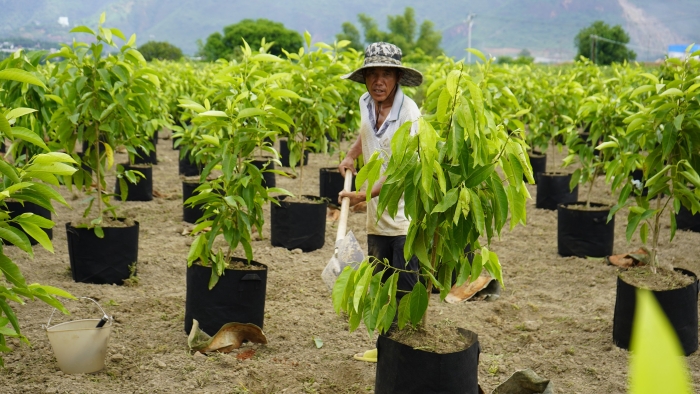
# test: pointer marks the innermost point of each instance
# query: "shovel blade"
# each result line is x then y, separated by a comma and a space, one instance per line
348, 253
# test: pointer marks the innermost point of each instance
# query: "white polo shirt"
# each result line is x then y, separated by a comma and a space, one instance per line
403, 109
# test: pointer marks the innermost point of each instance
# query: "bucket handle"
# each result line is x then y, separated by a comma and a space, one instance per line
105, 317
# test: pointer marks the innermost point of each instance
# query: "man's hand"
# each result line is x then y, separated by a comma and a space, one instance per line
347, 164
355, 197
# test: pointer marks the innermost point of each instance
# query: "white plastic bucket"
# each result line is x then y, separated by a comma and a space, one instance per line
79, 346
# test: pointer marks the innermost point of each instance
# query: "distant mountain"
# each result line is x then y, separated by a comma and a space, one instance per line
501, 27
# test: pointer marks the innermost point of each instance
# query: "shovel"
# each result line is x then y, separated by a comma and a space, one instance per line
347, 250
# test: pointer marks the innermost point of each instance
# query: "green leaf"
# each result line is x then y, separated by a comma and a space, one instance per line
11, 272
82, 29
449, 200
360, 288
18, 112
477, 211
16, 237
29, 136
478, 53
9, 171
339, 288
218, 114
481, 174
318, 342
657, 364
632, 223
404, 311
671, 92
678, 121
419, 303
15, 74
277, 93
643, 232
38, 234
248, 112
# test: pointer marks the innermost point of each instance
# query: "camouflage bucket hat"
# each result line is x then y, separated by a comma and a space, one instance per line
383, 54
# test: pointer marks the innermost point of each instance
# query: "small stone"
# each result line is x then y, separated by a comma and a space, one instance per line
297, 251
116, 358
531, 325
51, 390
188, 242
161, 364
199, 356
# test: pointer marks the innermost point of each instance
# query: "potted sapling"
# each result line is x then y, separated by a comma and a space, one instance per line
301, 222
664, 134
461, 176
224, 284
30, 181
100, 102
561, 100
30, 120
582, 226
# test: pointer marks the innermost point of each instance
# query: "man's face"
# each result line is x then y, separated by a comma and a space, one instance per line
380, 82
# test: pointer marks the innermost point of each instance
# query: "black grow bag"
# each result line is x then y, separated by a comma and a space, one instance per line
147, 158
584, 233
186, 165
330, 183
268, 177
553, 189
190, 214
239, 297
102, 260
685, 220
284, 154
679, 305
403, 369
143, 190
299, 225
16, 209
538, 161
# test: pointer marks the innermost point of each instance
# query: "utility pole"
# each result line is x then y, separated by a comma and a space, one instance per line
470, 22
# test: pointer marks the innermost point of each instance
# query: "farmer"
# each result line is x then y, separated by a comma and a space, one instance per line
384, 108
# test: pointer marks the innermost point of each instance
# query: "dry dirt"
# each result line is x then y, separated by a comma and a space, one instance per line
554, 316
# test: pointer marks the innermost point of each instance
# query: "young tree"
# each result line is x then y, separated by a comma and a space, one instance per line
228, 45
611, 48
160, 50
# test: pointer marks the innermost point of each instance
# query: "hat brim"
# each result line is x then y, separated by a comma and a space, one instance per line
410, 77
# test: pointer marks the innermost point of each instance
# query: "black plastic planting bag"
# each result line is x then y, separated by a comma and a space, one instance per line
584, 233
679, 305
685, 220
284, 154
330, 183
239, 297
403, 369
268, 177
102, 260
190, 214
141, 191
553, 189
147, 158
187, 167
299, 225
538, 162
16, 209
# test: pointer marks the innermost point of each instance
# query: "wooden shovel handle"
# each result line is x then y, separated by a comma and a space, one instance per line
344, 207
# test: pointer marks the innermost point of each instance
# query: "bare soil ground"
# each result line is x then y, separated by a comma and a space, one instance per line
554, 316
